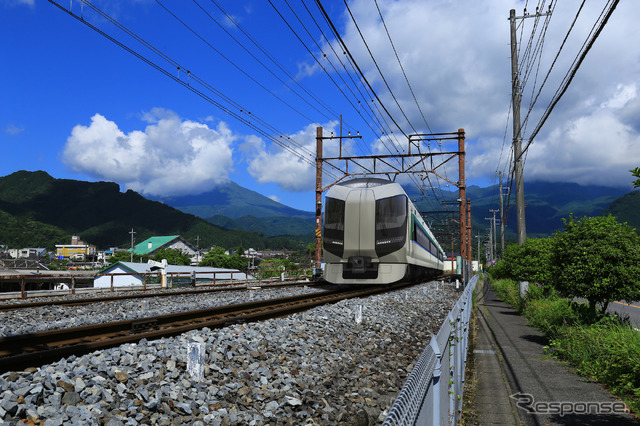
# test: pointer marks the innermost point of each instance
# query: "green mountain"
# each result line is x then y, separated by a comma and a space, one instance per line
269, 226
101, 215
546, 204
232, 206
234, 201
626, 209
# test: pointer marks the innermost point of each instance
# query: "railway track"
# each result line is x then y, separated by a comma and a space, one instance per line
35, 349
147, 294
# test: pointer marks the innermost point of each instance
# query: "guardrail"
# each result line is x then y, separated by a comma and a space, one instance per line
432, 394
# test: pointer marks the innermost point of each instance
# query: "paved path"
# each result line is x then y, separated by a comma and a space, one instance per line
510, 361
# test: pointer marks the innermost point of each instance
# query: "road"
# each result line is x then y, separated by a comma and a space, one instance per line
631, 309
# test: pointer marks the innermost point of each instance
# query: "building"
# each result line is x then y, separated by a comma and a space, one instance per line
28, 253
135, 274
77, 250
269, 254
151, 245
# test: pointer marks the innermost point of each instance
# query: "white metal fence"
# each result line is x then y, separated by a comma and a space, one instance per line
432, 395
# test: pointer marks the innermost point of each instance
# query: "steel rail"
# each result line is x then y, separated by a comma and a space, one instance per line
241, 286
35, 349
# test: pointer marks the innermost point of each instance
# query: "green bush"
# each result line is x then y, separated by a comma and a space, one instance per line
608, 352
598, 259
551, 314
526, 262
508, 291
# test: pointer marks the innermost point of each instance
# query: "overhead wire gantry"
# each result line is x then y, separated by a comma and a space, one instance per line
412, 161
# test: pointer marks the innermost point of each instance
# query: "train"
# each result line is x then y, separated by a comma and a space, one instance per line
374, 234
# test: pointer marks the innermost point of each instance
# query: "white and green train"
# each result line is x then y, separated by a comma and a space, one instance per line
373, 234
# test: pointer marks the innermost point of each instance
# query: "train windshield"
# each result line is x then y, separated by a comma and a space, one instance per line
391, 224
334, 226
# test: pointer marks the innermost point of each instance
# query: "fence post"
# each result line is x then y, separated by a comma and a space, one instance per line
112, 283
23, 294
452, 366
437, 372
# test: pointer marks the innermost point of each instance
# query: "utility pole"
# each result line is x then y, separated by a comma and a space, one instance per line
495, 237
490, 239
132, 233
502, 218
516, 96
517, 137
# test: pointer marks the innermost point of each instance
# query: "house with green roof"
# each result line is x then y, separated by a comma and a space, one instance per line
176, 242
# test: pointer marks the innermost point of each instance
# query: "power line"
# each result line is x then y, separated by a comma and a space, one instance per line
571, 74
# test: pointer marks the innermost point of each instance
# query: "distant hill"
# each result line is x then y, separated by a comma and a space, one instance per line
546, 204
233, 201
34, 204
626, 209
36, 208
269, 226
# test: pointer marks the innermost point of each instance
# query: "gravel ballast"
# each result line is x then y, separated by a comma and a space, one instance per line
336, 364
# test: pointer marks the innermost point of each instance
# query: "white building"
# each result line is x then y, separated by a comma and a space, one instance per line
133, 274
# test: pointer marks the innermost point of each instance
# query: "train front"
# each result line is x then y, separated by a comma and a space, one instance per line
365, 232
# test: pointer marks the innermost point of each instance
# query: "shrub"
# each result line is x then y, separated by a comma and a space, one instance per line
598, 259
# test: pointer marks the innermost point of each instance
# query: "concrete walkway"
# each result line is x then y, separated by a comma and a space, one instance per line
517, 384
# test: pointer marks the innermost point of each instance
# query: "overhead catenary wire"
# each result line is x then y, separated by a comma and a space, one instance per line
234, 109
571, 74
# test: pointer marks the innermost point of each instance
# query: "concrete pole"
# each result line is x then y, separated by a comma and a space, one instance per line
502, 218
517, 137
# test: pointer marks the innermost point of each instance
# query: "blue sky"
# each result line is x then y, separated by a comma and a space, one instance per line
78, 106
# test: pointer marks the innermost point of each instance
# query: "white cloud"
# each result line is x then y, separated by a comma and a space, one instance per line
30, 3
457, 58
13, 130
277, 165
171, 156
274, 198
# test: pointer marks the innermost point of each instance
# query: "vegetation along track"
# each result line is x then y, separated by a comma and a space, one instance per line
34, 349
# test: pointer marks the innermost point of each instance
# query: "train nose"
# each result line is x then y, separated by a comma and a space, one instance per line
359, 229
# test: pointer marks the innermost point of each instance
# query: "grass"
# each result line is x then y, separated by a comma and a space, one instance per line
604, 349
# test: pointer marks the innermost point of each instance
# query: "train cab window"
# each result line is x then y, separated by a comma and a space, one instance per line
334, 226
391, 224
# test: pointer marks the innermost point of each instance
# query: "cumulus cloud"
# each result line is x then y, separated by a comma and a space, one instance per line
457, 57
170, 156
273, 164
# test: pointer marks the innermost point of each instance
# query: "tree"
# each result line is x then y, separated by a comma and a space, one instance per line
596, 258
173, 256
636, 172
526, 262
125, 256
219, 259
